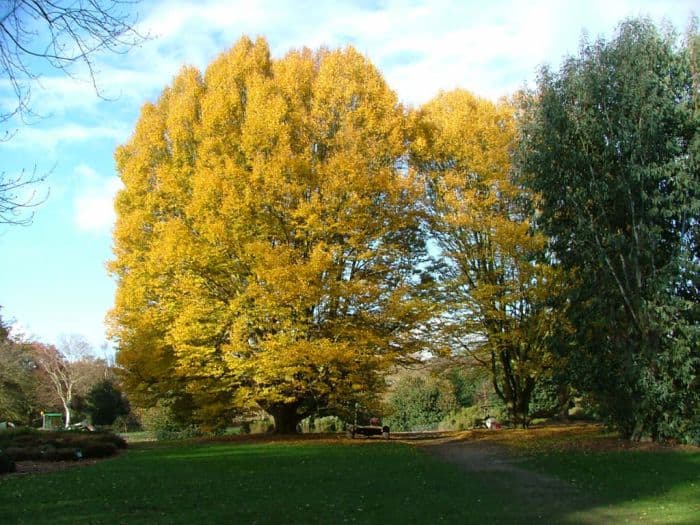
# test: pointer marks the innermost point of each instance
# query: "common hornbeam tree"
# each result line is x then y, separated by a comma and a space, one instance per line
494, 281
267, 237
610, 142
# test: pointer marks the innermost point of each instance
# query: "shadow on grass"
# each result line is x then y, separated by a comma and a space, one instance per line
628, 486
581, 474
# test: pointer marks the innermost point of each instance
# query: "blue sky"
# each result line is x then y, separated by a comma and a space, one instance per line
52, 274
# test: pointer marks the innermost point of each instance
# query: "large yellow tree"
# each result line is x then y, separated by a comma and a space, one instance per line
267, 239
494, 280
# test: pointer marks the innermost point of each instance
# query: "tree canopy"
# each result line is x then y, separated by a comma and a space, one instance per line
494, 278
267, 240
610, 141
271, 245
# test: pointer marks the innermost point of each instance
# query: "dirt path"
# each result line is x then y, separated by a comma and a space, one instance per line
483, 457
545, 499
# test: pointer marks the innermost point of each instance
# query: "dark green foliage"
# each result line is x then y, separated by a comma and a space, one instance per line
61, 454
98, 449
6, 463
24, 453
611, 143
105, 402
419, 403
17, 379
126, 423
549, 399
28, 444
465, 384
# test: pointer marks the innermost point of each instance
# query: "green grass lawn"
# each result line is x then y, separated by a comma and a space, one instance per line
633, 486
266, 483
328, 483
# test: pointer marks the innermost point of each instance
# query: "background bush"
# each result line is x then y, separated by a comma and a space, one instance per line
127, 423
37, 445
461, 419
162, 421
105, 402
323, 424
6, 464
419, 403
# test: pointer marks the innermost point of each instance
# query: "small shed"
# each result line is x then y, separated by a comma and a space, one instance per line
51, 421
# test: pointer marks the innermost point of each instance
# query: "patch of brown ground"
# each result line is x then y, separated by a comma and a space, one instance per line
31, 467
39, 467
589, 437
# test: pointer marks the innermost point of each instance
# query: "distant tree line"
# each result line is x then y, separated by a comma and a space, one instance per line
37, 378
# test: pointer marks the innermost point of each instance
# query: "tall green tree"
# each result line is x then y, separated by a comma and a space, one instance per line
267, 237
105, 403
611, 143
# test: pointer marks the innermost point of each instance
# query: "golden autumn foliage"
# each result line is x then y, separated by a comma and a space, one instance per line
495, 281
267, 237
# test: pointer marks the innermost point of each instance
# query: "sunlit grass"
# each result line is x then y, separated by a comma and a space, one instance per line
641, 486
269, 483
368, 481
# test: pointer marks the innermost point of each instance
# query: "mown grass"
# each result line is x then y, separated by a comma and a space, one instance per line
631, 482
632, 486
369, 482
248, 483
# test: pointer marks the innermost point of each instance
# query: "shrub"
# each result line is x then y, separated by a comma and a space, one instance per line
61, 454
420, 404
324, 424
103, 437
262, 426
7, 465
96, 449
463, 419
163, 422
127, 423
24, 453
105, 403
55, 446
17, 435
188, 432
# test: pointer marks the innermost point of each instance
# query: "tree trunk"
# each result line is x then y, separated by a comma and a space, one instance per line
66, 411
521, 411
563, 400
286, 417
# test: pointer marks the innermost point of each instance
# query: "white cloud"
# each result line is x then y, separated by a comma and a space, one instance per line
47, 139
94, 203
490, 49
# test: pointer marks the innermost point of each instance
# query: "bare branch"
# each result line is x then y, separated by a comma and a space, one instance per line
19, 198
57, 33
60, 33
